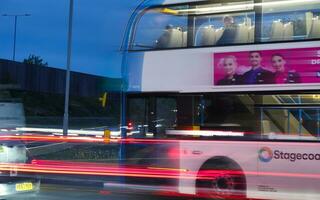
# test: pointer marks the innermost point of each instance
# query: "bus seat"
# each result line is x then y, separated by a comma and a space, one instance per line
206, 36
309, 16
242, 35
276, 30
171, 38
251, 34
315, 28
288, 31
184, 38
247, 21
218, 34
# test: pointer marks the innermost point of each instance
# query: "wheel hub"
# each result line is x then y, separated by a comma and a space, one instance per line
223, 183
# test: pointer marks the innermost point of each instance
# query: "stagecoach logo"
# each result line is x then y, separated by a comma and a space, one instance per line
265, 154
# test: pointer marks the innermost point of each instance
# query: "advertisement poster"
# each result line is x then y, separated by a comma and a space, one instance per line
279, 66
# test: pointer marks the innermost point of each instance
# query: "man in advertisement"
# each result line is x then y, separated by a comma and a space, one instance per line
257, 75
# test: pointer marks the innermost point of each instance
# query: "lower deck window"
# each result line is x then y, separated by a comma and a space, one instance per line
284, 116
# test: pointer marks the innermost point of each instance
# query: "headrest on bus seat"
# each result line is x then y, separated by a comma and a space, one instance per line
242, 34
171, 38
218, 34
206, 36
251, 34
309, 17
280, 31
288, 31
247, 21
315, 28
245, 32
184, 38
276, 30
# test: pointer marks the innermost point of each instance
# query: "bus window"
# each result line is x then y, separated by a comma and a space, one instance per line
226, 23
294, 116
161, 28
290, 20
137, 117
166, 115
230, 112
221, 25
266, 116
151, 116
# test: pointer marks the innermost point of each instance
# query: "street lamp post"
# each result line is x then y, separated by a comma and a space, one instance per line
67, 89
15, 30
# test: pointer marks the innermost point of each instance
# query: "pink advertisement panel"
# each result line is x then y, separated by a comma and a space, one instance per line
278, 66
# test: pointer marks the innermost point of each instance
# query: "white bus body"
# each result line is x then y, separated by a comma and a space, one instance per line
275, 166
275, 179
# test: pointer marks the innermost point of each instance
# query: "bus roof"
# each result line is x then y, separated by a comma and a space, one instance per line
168, 2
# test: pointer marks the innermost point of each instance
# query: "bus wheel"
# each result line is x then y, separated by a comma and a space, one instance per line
221, 181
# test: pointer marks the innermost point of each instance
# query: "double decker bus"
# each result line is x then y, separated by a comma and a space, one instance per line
239, 77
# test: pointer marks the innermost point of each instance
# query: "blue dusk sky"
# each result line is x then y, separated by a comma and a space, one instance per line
99, 27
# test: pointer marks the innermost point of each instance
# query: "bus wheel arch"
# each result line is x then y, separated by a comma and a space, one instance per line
221, 177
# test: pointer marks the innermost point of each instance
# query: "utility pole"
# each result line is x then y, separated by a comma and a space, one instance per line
67, 89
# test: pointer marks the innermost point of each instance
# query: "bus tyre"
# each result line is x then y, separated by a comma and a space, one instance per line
221, 181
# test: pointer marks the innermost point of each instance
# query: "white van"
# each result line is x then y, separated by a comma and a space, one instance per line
13, 183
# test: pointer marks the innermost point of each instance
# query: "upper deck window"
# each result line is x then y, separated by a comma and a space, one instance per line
224, 23
290, 20
227, 23
161, 28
